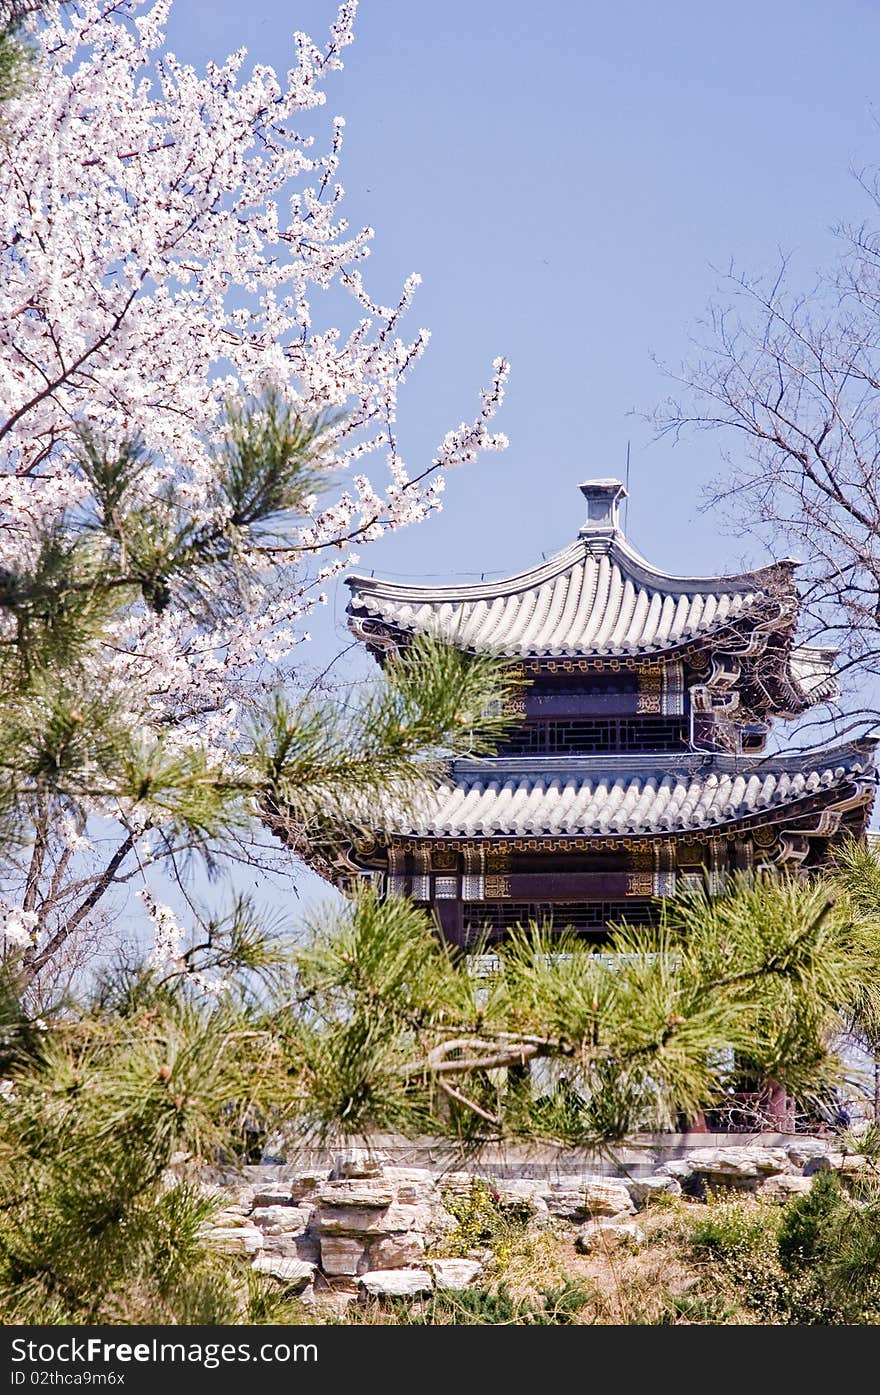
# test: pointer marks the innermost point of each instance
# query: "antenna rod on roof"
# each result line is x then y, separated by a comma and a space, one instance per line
626, 502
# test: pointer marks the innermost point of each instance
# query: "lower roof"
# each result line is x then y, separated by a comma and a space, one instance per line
592, 796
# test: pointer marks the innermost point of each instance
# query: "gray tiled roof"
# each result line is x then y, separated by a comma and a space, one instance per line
812, 671
631, 795
598, 596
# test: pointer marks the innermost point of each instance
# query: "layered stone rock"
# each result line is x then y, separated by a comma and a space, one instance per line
606, 1233
235, 1240
343, 1255
351, 1226
642, 1189
454, 1274
396, 1283
783, 1187
295, 1274
577, 1199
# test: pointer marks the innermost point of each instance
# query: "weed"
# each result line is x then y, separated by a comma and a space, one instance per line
486, 1307
730, 1228
484, 1221
692, 1308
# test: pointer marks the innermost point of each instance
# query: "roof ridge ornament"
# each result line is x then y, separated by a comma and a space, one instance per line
603, 508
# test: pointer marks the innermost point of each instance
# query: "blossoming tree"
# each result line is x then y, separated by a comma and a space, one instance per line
183, 444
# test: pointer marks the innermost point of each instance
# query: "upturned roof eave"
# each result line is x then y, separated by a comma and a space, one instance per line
709, 635
783, 813
616, 547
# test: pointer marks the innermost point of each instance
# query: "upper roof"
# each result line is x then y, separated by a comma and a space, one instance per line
596, 597
594, 796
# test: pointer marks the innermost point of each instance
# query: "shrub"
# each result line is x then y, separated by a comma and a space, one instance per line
773, 1266
484, 1221
694, 1308
730, 1228
491, 1307
805, 1234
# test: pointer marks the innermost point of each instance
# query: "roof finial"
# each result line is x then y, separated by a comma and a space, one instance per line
603, 503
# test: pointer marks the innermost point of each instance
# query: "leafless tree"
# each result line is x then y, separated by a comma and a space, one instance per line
792, 380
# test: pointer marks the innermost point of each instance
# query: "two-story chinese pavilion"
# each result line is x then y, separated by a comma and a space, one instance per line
639, 757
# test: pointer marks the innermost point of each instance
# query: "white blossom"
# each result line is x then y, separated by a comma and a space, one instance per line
169, 240
17, 927
139, 202
169, 933
72, 836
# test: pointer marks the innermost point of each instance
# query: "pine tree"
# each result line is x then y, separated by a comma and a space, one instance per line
117, 1095
180, 477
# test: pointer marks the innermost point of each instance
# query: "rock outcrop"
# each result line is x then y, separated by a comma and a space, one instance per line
363, 1227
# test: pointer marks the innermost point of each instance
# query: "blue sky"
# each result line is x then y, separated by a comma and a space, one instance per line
567, 178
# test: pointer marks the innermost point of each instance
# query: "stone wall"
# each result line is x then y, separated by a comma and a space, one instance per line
365, 1226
